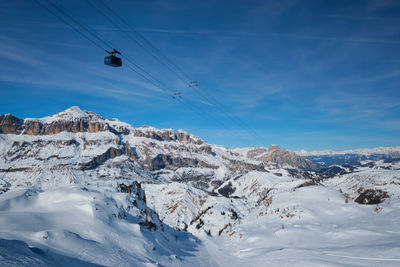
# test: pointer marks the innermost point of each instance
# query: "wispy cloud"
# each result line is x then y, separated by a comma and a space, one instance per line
380, 77
371, 111
241, 34
13, 51
346, 39
389, 124
60, 71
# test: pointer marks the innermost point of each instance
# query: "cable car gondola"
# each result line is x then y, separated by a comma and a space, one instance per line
193, 83
176, 95
112, 60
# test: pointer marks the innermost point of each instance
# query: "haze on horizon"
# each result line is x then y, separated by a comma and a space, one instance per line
315, 75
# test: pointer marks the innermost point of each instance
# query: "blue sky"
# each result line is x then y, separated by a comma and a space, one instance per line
301, 74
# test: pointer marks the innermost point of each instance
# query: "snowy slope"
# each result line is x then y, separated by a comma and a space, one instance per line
95, 224
79, 189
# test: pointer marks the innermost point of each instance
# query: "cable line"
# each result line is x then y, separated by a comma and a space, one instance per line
132, 38
110, 45
219, 105
59, 9
234, 118
67, 23
97, 37
144, 39
150, 78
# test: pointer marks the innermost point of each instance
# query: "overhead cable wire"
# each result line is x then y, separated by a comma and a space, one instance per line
59, 9
145, 39
94, 42
185, 80
106, 43
154, 81
131, 37
69, 24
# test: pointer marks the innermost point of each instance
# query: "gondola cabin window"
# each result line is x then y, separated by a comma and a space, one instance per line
113, 61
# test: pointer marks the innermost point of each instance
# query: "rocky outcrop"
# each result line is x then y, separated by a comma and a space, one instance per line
371, 196
237, 165
183, 136
206, 149
100, 159
227, 190
256, 152
35, 127
162, 161
158, 155
75, 120
130, 151
281, 157
149, 134
111, 153
9, 124
166, 135
32, 128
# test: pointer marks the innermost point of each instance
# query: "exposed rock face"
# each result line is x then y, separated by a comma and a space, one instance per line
166, 135
110, 149
34, 127
227, 190
168, 162
372, 196
256, 152
100, 159
3, 186
281, 157
75, 120
10, 124
240, 165
274, 148
152, 135
183, 136
207, 149
130, 152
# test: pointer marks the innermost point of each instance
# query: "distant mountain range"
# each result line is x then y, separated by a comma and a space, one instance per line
79, 189
352, 157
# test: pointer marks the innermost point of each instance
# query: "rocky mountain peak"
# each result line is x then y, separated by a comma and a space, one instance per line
72, 119
73, 113
10, 124
75, 120
274, 154
167, 135
273, 147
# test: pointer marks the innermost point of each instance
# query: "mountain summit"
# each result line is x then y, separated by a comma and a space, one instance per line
85, 143
73, 113
143, 196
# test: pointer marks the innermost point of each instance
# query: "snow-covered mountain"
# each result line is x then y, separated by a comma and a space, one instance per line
353, 157
275, 155
80, 189
360, 151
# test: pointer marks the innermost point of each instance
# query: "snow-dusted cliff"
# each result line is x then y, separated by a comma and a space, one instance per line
76, 188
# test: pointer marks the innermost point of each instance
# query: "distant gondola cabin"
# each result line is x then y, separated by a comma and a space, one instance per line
113, 61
